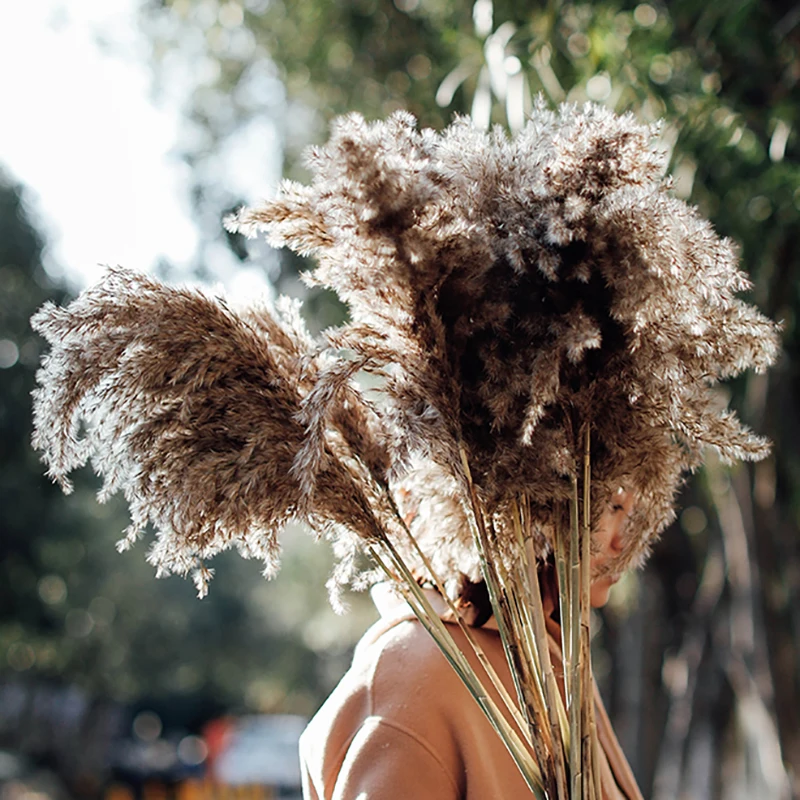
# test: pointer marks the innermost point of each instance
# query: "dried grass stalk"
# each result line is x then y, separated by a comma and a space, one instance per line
589, 776
576, 691
395, 568
491, 673
554, 704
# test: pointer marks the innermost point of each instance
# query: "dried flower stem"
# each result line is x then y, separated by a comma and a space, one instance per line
534, 621
587, 696
516, 592
563, 573
522, 668
481, 542
597, 787
554, 703
575, 661
403, 578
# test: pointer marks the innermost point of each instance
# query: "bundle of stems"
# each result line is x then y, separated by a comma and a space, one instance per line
555, 725
541, 725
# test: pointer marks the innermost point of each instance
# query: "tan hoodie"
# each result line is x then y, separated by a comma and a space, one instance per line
401, 724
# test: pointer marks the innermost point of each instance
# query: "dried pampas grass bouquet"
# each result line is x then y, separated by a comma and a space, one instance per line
545, 323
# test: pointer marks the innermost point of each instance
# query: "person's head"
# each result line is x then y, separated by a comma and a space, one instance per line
607, 538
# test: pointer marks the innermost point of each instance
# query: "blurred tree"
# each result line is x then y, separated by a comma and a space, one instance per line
75, 612
24, 287
722, 591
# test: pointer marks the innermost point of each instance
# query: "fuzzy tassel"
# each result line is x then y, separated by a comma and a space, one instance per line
190, 410
512, 291
505, 294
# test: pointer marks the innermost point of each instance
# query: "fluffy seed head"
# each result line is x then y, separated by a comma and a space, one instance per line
511, 292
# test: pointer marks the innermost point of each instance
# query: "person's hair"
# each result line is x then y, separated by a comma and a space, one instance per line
474, 602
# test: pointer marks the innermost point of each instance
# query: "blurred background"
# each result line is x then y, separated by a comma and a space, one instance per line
130, 128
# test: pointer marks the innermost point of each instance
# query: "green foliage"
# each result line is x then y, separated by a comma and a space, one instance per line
23, 287
711, 73
73, 610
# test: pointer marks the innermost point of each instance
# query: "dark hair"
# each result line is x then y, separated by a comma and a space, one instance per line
473, 596
473, 600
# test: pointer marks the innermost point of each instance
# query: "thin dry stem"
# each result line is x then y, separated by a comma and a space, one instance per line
575, 662
520, 668
597, 787
562, 570
518, 594
590, 763
534, 614
587, 696
481, 541
554, 704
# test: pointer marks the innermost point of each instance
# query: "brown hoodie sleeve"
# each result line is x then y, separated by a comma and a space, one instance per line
385, 760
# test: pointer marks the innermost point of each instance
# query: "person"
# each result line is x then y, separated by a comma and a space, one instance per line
400, 724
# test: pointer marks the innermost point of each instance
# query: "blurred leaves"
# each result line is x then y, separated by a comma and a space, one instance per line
73, 610
724, 81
